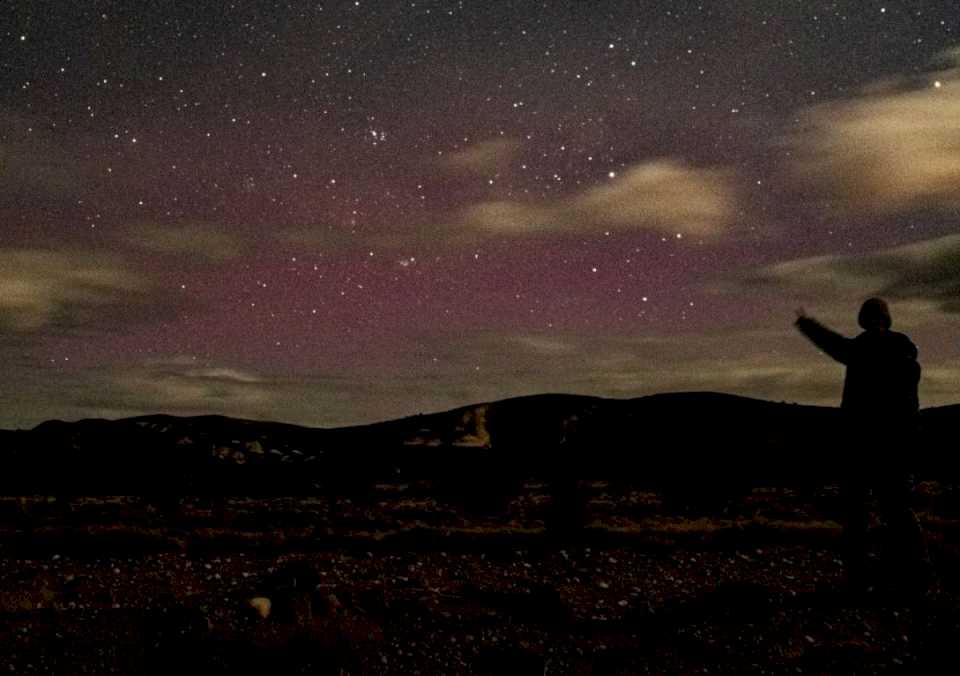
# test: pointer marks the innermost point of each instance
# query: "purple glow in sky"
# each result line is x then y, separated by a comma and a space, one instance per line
333, 213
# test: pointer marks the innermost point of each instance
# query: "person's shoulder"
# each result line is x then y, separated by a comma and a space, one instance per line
887, 338
899, 337
887, 335
903, 341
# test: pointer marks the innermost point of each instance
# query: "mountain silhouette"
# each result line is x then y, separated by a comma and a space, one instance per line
694, 437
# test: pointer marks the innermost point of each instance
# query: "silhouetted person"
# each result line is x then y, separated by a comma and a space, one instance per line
879, 408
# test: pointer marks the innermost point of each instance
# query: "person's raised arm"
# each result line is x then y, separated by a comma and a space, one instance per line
831, 342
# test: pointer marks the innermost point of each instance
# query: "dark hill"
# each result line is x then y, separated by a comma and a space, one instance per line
667, 437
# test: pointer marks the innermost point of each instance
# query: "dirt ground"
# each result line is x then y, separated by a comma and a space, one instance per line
399, 582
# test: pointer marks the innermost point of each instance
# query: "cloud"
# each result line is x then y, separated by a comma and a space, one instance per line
895, 147
506, 217
939, 384
180, 385
665, 195
775, 367
774, 364
484, 158
40, 288
925, 272
197, 242
545, 345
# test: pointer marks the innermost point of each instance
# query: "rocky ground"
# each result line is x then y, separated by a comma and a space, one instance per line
399, 582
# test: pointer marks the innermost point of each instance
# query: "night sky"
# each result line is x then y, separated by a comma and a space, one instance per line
340, 212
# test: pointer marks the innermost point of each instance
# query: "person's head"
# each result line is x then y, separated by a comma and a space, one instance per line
874, 314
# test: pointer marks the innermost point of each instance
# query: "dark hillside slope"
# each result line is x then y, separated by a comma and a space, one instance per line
685, 437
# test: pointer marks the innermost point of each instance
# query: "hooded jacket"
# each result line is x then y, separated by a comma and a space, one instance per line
882, 369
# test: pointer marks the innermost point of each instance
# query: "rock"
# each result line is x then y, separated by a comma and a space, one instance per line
262, 605
333, 604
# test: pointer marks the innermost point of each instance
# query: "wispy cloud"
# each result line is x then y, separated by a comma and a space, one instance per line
894, 147
664, 195
927, 272
779, 366
484, 158
194, 241
40, 288
180, 385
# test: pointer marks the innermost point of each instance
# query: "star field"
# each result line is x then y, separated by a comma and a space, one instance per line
340, 212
